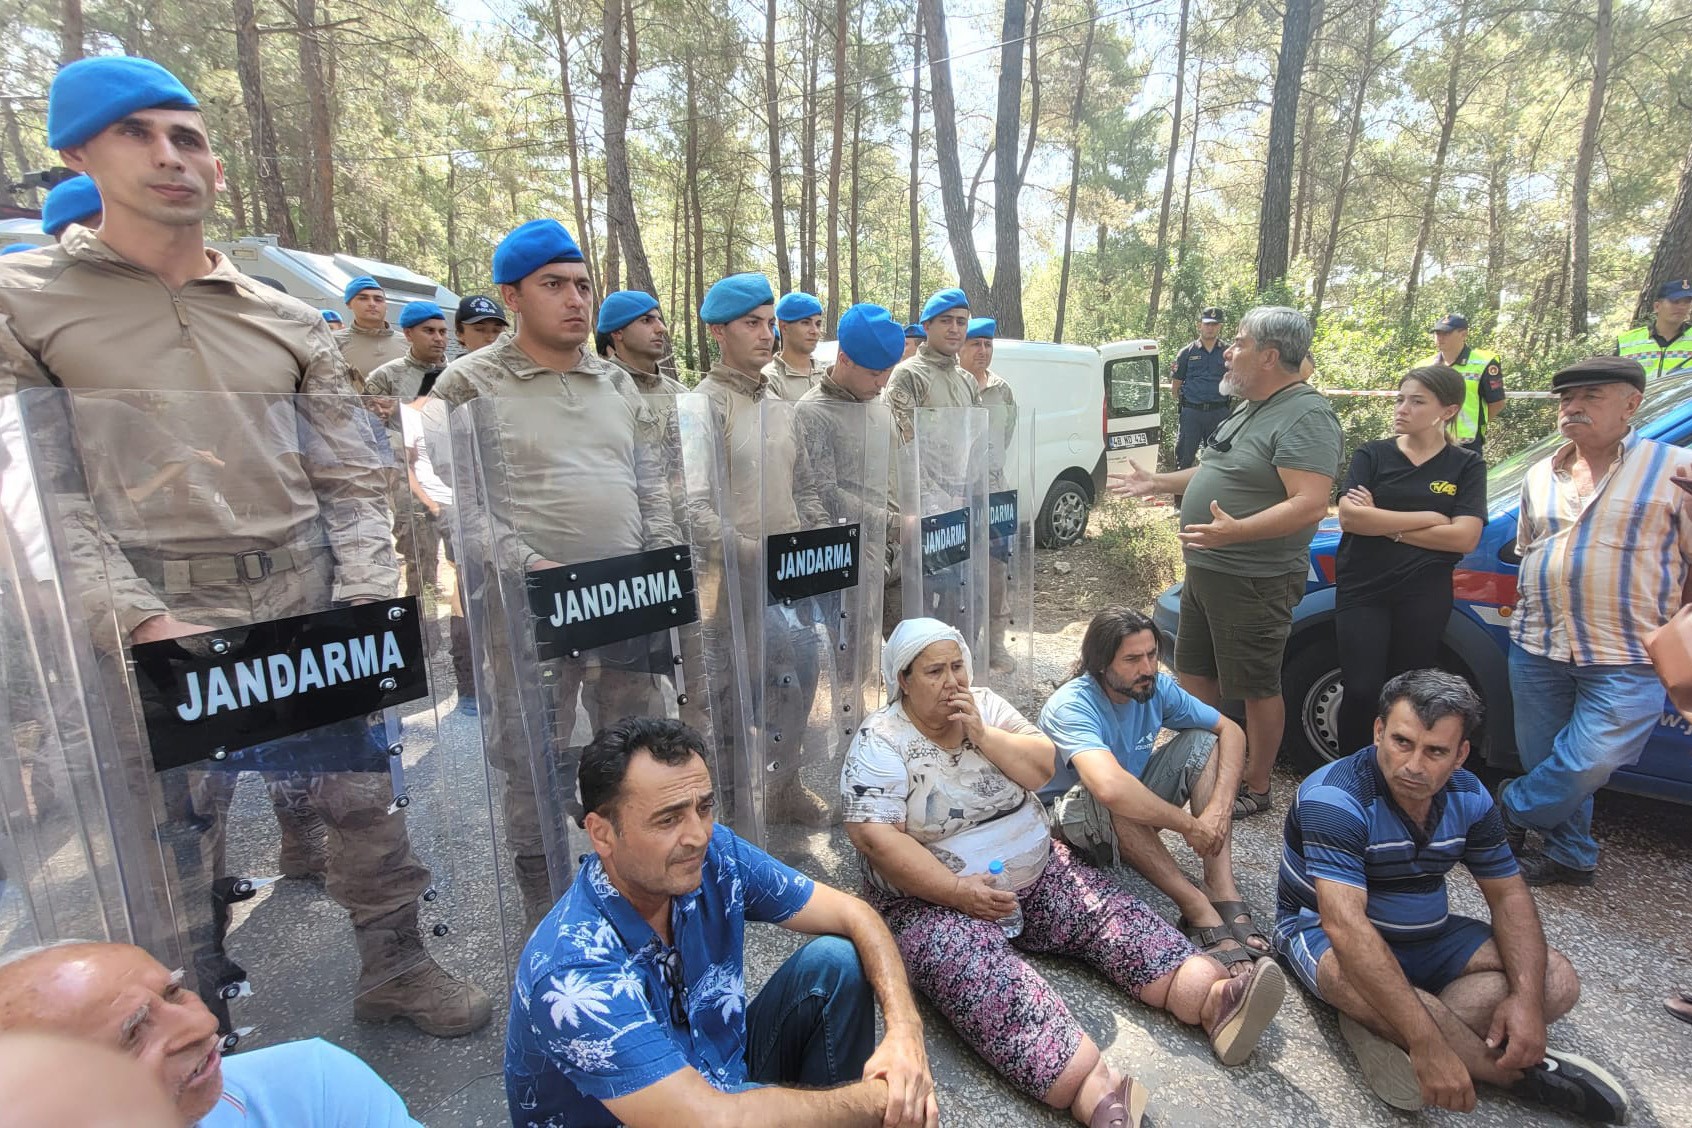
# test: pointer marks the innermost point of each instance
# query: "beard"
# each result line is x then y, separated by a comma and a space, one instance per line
1231, 386
1140, 690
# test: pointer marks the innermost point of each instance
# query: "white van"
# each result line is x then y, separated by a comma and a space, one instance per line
317, 280
1094, 411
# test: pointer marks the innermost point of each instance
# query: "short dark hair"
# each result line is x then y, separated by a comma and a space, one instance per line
605, 761
602, 343
1104, 637
1435, 695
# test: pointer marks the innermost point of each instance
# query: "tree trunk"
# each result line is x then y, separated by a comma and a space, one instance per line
677, 268
836, 161
701, 356
1303, 202
14, 139
1497, 222
1674, 248
1354, 130
958, 227
238, 207
1187, 179
453, 283
1162, 254
320, 180
852, 195
1033, 93
583, 232
1580, 205
1007, 177
1559, 303
614, 86
70, 31
266, 164
1430, 197
772, 103
808, 164
1275, 212
1076, 110
915, 307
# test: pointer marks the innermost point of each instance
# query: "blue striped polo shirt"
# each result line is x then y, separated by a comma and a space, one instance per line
1345, 826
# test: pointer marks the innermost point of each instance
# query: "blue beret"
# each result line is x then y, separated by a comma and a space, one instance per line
622, 307
980, 327
942, 302
331, 317
70, 201
735, 296
915, 329
358, 285
18, 248
796, 307
871, 338
530, 247
90, 94
416, 313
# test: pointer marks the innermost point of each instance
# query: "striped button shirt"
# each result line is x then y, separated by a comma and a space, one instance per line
1601, 571
1344, 826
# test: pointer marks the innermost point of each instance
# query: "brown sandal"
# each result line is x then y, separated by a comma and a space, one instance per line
1679, 1004
1122, 1107
1249, 1004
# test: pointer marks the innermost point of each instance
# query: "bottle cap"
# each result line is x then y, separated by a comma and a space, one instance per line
995, 866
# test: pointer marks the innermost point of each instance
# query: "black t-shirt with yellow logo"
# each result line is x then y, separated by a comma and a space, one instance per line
1451, 483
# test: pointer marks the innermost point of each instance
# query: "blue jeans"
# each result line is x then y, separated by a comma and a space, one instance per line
813, 1024
1575, 725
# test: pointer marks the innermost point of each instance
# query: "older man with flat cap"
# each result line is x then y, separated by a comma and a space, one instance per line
583, 482
76, 200
236, 368
795, 370
1606, 544
369, 342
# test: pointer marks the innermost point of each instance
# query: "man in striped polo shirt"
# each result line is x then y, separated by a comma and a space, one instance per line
1429, 1001
1606, 542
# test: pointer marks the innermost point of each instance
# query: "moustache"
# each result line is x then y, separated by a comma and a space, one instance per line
1577, 417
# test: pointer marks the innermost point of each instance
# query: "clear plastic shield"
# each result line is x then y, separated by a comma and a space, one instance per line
1010, 552
943, 488
591, 596
235, 685
805, 490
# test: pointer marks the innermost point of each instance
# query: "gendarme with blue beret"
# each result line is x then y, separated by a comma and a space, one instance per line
416, 313
797, 306
530, 247
944, 302
981, 327
70, 201
358, 285
91, 94
622, 307
870, 338
734, 297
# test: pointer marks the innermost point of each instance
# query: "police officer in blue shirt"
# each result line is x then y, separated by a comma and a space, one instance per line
1196, 380
630, 1003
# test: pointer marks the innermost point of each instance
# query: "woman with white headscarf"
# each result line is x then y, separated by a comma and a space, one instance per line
940, 783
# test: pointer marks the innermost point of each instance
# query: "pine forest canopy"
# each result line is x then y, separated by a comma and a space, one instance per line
1087, 169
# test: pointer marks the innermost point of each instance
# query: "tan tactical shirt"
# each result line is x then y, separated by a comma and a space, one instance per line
369, 349
219, 362
927, 379
837, 426
790, 383
580, 450
996, 397
770, 487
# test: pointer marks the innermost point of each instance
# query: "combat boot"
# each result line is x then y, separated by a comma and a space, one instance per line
791, 802
398, 979
304, 854
1000, 660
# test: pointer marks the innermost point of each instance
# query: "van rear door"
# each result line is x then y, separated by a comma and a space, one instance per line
1131, 422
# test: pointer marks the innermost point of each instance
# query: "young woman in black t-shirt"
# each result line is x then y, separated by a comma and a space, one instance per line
1413, 506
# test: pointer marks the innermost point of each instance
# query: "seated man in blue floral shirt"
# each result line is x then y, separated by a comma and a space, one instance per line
630, 1001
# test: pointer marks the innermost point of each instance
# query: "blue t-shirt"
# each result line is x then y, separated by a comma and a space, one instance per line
1079, 716
1345, 826
307, 1084
590, 1010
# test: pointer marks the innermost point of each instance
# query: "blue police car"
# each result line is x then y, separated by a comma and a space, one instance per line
1477, 638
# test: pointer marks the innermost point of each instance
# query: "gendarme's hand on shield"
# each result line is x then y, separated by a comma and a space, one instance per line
1134, 483
961, 702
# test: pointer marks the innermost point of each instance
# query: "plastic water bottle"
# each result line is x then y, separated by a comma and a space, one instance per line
1011, 924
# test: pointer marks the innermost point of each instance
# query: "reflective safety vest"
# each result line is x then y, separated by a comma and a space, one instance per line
1471, 418
1658, 360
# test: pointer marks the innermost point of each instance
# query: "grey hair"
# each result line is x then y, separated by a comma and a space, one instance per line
1281, 328
1435, 695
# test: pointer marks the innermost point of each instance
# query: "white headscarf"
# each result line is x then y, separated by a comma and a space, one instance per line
911, 638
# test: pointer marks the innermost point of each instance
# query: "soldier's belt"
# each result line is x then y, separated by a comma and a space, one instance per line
184, 575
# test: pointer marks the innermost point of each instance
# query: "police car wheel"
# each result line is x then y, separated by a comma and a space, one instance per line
1312, 689
1063, 518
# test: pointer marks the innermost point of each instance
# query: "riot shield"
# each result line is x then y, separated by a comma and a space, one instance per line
805, 489
591, 597
293, 821
943, 491
1010, 553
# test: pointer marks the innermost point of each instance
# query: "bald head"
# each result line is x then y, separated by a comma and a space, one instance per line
47, 1082
118, 997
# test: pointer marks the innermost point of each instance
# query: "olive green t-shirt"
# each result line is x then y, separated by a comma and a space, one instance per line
1294, 429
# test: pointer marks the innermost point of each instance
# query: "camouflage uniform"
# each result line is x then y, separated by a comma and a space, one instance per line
65, 316
366, 350
582, 481
789, 382
997, 398
416, 539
